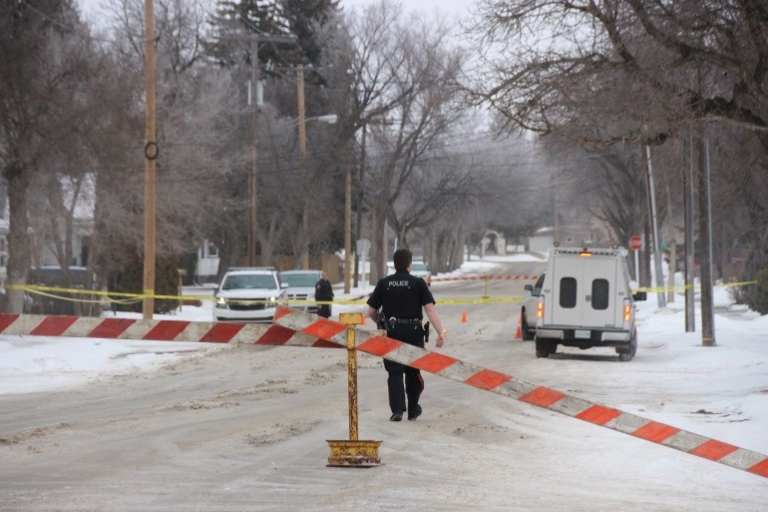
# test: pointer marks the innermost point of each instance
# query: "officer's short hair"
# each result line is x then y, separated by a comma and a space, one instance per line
403, 258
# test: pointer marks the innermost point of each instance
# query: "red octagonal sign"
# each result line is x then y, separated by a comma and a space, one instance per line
635, 243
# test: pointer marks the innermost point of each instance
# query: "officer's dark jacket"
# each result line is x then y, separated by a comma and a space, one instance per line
323, 290
401, 295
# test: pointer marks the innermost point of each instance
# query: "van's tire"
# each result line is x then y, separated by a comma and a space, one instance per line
545, 347
524, 329
627, 354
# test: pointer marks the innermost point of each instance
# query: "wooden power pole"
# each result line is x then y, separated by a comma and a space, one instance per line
303, 163
253, 196
150, 154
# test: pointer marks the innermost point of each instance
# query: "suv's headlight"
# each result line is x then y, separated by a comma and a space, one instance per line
221, 303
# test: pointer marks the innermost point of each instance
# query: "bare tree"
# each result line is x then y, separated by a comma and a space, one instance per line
44, 63
422, 70
651, 67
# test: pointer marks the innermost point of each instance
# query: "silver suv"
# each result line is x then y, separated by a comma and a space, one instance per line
249, 294
301, 287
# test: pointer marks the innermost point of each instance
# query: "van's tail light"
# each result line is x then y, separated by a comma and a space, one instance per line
627, 312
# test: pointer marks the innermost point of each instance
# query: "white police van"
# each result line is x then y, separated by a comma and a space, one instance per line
586, 301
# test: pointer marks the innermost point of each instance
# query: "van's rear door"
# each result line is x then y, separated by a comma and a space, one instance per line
600, 279
584, 291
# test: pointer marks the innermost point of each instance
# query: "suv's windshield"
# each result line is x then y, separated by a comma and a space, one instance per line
418, 267
249, 281
308, 279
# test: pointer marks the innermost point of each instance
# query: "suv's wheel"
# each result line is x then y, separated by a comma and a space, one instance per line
545, 347
524, 329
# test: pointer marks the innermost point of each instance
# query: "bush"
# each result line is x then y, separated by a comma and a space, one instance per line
131, 280
738, 294
757, 299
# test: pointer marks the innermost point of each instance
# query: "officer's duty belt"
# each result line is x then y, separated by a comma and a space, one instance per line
408, 321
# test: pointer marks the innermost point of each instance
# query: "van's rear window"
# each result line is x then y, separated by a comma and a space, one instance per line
568, 292
600, 290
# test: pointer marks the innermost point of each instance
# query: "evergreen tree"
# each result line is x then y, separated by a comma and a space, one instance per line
297, 18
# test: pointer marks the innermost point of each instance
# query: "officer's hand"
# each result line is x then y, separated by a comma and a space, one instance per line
441, 338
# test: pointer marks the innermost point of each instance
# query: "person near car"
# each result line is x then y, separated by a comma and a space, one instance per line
323, 295
401, 298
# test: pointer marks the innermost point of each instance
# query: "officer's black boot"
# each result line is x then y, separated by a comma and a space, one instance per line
414, 412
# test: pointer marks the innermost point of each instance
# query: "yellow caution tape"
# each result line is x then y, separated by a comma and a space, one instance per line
689, 287
482, 300
131, 298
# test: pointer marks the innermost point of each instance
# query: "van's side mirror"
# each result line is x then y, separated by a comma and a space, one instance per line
528, 287
638, 296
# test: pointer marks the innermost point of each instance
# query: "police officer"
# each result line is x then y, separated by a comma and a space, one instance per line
401, 296
324, 293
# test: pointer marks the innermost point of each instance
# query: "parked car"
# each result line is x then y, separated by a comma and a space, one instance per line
301, 286
587, 302
533, 306
249, 294
419, 269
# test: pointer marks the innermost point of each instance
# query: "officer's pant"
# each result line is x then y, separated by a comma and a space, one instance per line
414, 384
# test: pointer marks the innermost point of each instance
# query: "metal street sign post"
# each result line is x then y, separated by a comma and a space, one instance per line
636, 243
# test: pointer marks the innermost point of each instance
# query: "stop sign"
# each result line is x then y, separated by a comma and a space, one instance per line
635, 243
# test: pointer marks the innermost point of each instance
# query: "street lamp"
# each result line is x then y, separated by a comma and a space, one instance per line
329, 118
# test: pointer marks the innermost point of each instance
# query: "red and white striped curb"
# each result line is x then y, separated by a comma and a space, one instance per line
486, 278
159, 330
376, 343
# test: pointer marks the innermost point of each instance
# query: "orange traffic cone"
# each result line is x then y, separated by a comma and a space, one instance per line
363, 319
464, 318
518, 333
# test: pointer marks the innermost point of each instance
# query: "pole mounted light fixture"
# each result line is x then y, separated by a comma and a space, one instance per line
330, 119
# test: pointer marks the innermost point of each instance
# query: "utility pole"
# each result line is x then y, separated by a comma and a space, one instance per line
253, 196
690, 312
660, 298
348, 205
556, 208
303, 163
348, 225
150, 154
705, 238
359, 213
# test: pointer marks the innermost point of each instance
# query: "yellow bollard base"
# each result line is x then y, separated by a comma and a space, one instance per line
354, 454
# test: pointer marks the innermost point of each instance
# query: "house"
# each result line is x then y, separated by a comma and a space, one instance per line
567, 236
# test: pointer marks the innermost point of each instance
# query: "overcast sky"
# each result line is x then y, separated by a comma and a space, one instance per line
459, 7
